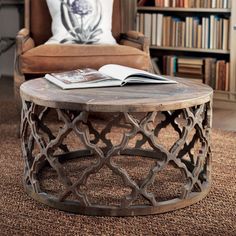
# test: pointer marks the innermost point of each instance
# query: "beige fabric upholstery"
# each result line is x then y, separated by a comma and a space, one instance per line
55, 58
34, 59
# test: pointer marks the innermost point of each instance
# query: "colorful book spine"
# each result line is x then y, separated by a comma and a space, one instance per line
203, 70
221, 4
191, 32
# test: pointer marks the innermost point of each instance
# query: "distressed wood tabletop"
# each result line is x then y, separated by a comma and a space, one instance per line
130, 98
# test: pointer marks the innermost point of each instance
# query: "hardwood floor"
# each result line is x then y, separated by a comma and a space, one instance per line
222, 119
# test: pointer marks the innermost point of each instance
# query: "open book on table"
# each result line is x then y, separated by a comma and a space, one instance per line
108, 75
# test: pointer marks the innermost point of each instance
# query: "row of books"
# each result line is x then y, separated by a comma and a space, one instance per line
194, 3
191, 32
215, 73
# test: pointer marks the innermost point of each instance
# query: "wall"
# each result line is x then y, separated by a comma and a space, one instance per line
9, 26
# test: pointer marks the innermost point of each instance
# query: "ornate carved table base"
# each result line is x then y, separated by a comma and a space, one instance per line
124, 166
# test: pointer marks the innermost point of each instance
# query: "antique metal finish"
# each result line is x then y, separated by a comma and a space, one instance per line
46, 152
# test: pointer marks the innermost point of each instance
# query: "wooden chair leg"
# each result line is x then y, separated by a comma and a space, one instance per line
18, 111
18, 80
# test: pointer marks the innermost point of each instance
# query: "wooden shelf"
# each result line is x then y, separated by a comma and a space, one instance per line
201, 50
180, 9
225, 92
227, 97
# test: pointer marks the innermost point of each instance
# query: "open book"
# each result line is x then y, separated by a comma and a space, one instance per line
108, 75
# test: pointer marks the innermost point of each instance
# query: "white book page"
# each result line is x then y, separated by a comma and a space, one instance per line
101, 83
123, 72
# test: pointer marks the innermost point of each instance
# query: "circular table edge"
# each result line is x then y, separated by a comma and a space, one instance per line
92, 106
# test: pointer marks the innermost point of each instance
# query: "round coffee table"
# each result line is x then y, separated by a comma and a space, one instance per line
150, 155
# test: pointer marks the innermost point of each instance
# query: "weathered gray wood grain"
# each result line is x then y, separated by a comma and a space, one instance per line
130, 98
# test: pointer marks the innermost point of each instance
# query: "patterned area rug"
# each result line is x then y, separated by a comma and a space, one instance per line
20, 215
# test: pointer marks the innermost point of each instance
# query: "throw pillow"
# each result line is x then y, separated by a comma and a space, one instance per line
81, 21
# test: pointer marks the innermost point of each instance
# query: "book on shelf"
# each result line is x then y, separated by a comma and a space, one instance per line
193, 3
222, 76
213, 72
108, 75
190, 68
153, 23
155, 66
211, 32
210, 71
141, 3
148, 25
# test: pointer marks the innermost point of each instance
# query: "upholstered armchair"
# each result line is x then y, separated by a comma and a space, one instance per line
34, 58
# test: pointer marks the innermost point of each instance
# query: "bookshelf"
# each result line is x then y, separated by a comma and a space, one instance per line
216, 51
182, 9
222, 99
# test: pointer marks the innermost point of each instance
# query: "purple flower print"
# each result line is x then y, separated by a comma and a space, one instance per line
82, 19
81, 7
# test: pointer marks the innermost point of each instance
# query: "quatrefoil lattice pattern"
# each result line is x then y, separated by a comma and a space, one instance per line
51, 141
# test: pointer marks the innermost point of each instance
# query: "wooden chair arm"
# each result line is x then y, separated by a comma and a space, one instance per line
23, 41
135, 39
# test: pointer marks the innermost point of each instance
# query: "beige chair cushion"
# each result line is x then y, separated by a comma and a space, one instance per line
55, 58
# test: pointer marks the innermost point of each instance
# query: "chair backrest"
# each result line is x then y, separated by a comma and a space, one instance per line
38, 19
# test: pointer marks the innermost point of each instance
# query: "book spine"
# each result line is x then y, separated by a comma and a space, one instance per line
227, 88
159, 29
213, 73
154, 29
225, 36
221, 4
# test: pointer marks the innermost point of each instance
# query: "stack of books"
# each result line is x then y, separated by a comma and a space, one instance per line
190, 32
190, 67
184, 67
194, 3
207, 70
217, 74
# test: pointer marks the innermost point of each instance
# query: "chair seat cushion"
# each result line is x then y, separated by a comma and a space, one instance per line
56, 58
